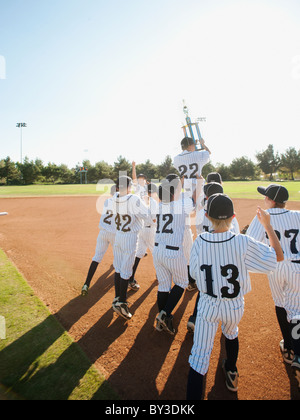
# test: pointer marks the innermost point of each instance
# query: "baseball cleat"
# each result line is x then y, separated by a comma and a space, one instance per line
116, 300
85, 290
231, 378
133, 285
166, 322
296, 369
288, 355
122, 310
191, 287
159, 327
191, 324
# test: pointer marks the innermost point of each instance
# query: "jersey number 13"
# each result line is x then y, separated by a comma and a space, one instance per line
225, 271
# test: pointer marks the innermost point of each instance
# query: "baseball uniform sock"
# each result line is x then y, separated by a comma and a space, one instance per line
194, 386
191, 280
295, 328
284, 327
136, 264
174, 298
162, 299
117, 284
92, 270
196, 306
232, 350
123, 290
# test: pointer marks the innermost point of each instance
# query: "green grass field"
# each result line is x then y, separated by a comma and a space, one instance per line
38, 359
249, 189
44, 190
233, 189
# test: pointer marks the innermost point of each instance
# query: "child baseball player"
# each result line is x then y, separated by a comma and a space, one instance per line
105, 238
213, 177
188, 238
206, 226
285, 281
190, 163
220, 263
147, 233
139, 183
169, 259
130, 213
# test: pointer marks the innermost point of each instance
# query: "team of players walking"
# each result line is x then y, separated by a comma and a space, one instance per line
217, 263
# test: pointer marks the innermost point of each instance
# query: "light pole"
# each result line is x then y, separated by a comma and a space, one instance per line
21, 126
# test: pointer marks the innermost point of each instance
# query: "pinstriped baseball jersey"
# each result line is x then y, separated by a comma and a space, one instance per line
220, 263
188, 238
190, 164
172, 219
285, 282
107, 220
153, 205
286, 224
168, 255
107, 232
147, 234
285, 288
130, 212
140, 190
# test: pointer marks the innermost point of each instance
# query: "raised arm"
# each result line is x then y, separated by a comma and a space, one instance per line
134, 178
199, 189
204, 147
265, 219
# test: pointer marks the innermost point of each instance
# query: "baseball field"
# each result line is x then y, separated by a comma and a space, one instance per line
60, 345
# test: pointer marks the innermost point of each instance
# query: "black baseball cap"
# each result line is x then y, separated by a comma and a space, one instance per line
214, 177
171, 177
213, 188
277, 193
220, 207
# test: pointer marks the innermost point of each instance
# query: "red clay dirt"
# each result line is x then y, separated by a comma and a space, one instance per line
52, 241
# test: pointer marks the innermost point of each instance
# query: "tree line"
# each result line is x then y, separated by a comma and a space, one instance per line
269, 164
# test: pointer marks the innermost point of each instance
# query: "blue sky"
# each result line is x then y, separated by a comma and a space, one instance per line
97, 79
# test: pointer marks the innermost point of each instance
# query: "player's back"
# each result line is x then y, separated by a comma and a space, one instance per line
220, 263
286, 224
171, 222
130, 212
107, 220
190, 164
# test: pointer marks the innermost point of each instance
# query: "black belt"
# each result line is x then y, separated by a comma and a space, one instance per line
148, 227
172, 248
296, 262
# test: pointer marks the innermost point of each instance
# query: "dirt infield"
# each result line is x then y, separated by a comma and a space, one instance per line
52, 242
